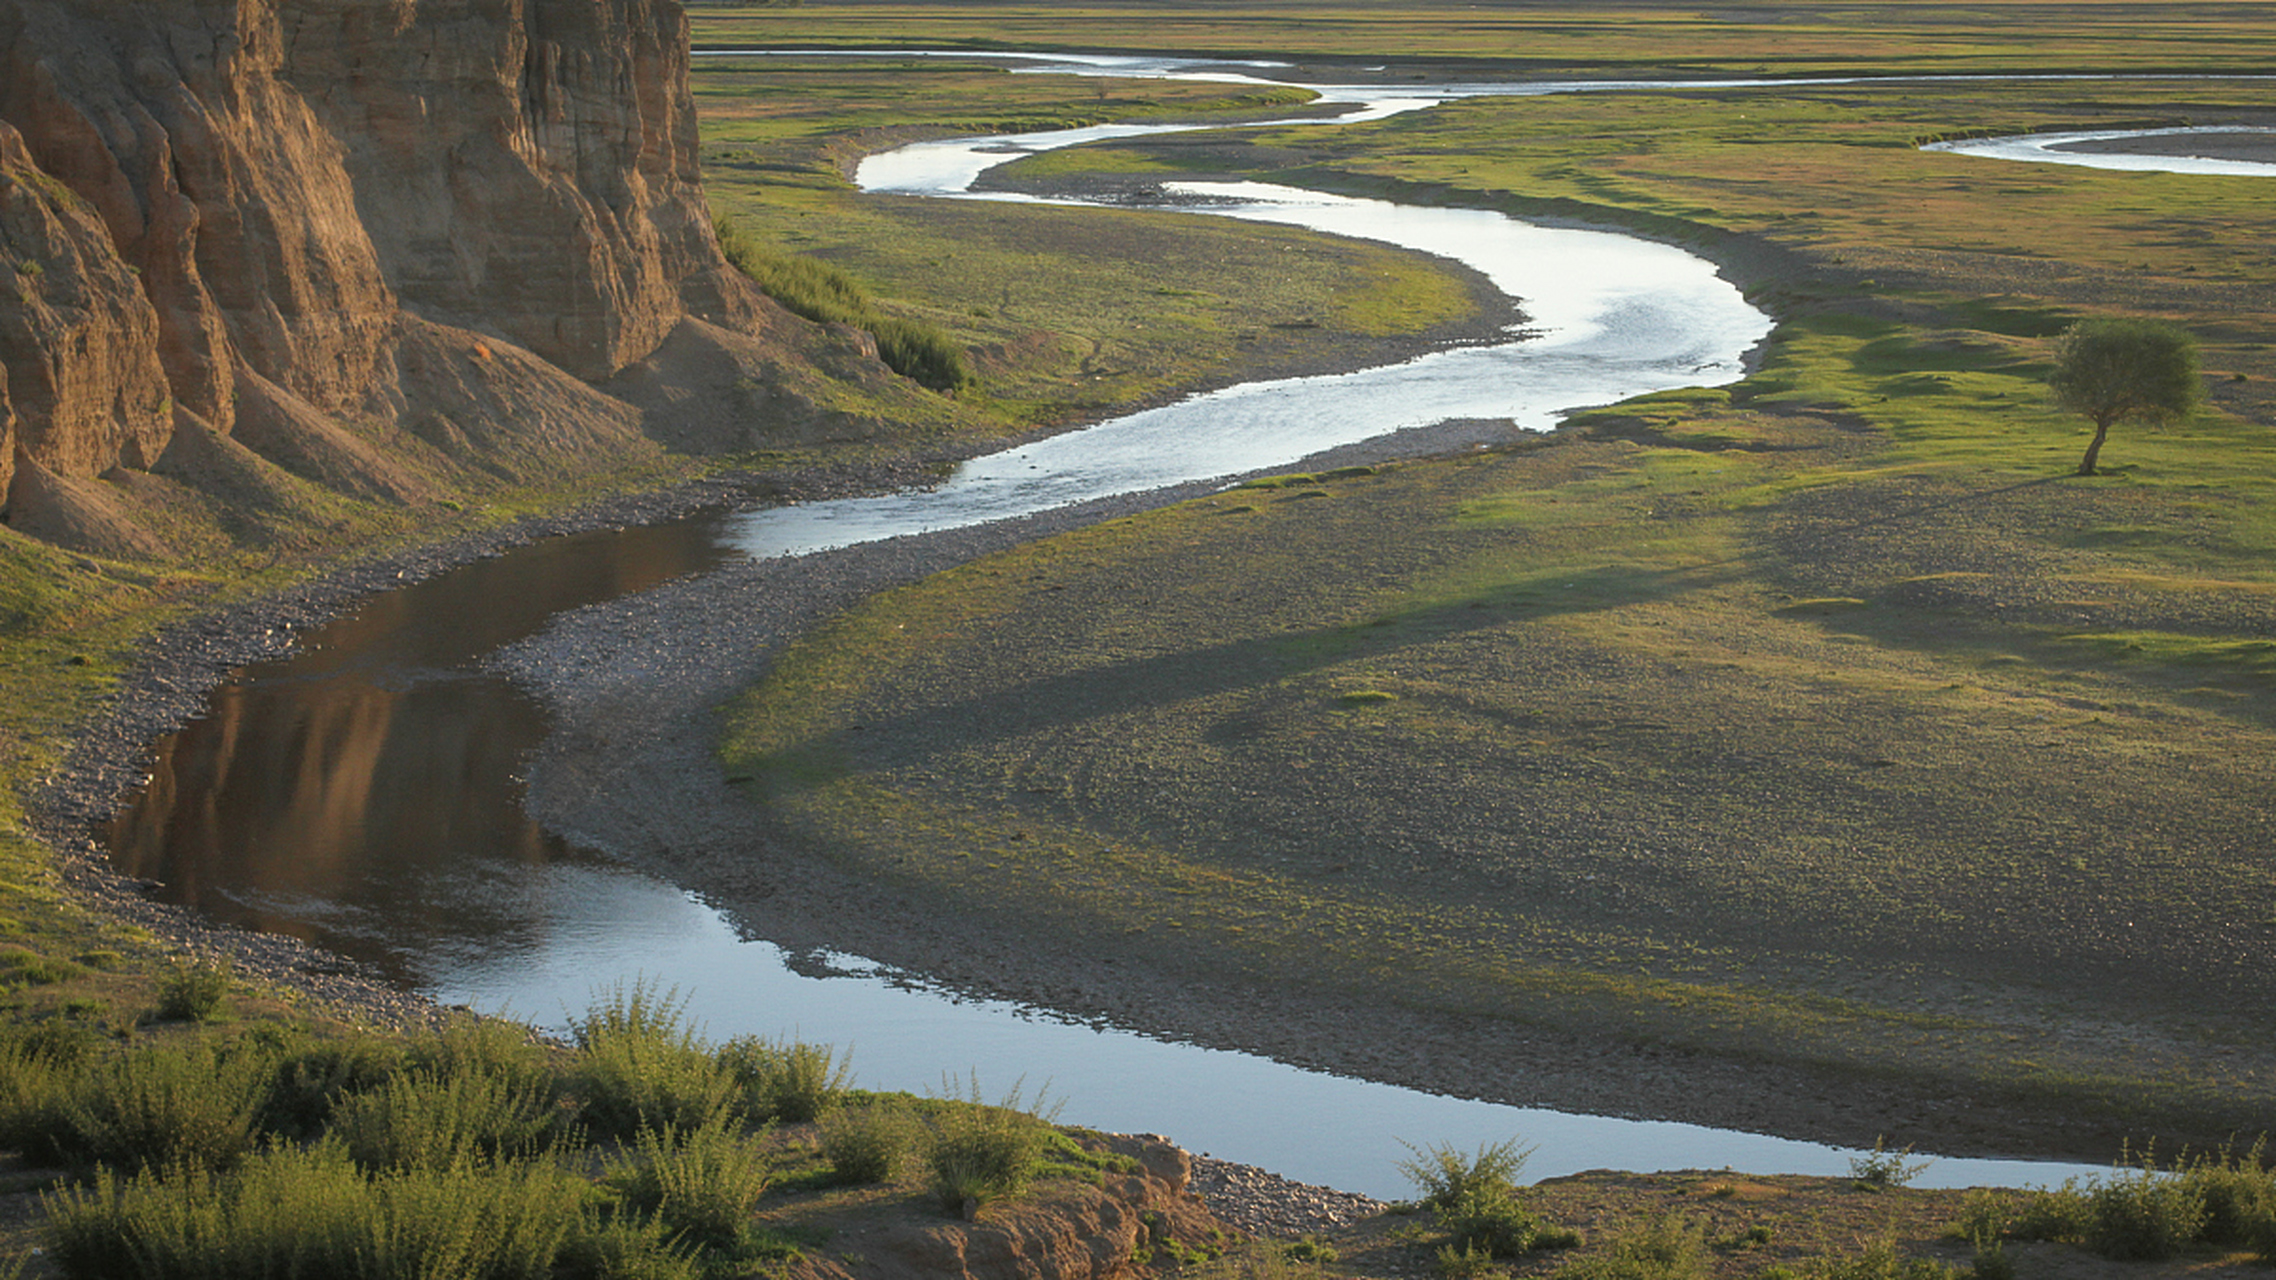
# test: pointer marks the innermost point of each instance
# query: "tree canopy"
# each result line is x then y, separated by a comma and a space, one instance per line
2112, 370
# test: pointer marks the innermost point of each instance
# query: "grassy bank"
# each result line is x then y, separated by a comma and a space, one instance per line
1063, 314
1822, 721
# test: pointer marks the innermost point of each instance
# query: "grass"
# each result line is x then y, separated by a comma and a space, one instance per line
1615, 41
1718, 667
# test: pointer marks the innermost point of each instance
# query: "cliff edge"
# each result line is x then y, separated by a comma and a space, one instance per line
266, 253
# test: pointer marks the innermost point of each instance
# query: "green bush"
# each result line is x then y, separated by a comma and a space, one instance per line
702, 1183
2143, 1213
787, 1080
421, 1120
293, 1211
33, 1083
1447, 1178
312, 1075
2238, 1190
622, 1246
492, 1046
1879, 1261
159, 1106
195, 991
1885, 1168
869, 1143
1674, 1248
981, 1152
640, 1067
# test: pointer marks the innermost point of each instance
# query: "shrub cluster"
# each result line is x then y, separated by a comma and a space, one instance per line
826, 295
2144, 1212
1477, 1201
467, 1152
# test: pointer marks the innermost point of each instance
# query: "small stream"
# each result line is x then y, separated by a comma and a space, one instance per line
363, 794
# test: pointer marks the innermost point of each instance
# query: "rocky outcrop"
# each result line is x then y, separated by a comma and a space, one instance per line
388, 246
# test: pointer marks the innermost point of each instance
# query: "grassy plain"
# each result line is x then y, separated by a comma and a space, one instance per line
1066, 313
1779, 38
1820, 721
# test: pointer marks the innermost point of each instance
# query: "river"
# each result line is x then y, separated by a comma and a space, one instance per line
364, 795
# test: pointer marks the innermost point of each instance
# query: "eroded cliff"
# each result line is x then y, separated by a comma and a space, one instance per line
385, 248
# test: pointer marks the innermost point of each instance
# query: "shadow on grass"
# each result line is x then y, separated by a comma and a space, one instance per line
1146, 683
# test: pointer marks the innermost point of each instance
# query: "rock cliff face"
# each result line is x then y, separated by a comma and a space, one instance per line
387, 246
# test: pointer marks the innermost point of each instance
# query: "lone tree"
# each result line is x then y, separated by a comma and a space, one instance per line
2109, 370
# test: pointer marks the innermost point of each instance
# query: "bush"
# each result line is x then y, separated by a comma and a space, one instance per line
421, 1120
1674, 1248
1448, 1178
195, 991
2238, 1191
290, 1211
788, 1080
639, 1067
869, 1143
158, 1107
310, 1076
981, 1152
1495, 1222
1879, 1261
33, 1083
2141, 1213
1885, 1168
701, 1184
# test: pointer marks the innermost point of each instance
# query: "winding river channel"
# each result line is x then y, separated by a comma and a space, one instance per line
364, 793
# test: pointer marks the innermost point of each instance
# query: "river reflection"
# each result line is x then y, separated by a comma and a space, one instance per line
355, 794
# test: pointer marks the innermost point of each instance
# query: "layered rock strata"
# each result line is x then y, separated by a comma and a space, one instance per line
382, 247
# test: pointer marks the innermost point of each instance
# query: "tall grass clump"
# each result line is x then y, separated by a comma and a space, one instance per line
157, 1106
702, 1184
869, 1143
1674, 1248
1879, 1261
787, 1080
825, 294
195, 991
37, 1066
425, 1120
983, 1151
1882, 1167
640, 1067
2238, 1191
311, 1075
294, 1211
1446, 1177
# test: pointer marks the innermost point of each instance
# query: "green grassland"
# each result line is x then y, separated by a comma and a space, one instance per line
1065, 313
1781, 37
1823, 720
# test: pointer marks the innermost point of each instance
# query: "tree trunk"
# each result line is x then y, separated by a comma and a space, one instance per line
2094, 449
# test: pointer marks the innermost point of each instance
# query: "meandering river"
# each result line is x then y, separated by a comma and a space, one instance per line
363, 793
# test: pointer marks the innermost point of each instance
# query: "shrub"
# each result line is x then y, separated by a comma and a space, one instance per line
33, 1084
1674, 1248
1879, 1261
2142, 1213
2238, 1191
420, 1120
981, 1152
491, 1046
1465, 1263
1885, 1168
789, 1080
1495, 1222
627, 1247
290, 1211
639, 1067
311, 1076
701, 1183
1448, 1178
195, 991
160, 1107
869, 1143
